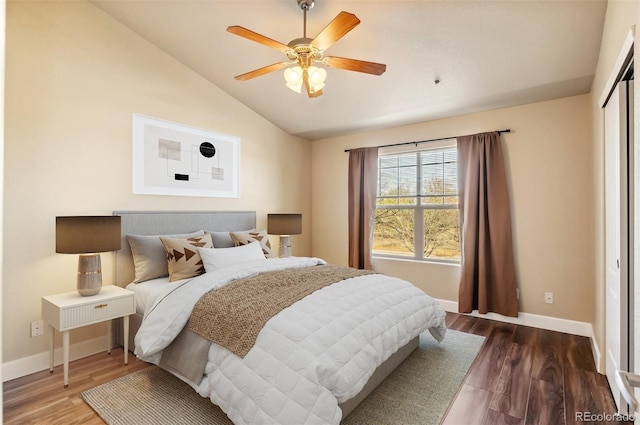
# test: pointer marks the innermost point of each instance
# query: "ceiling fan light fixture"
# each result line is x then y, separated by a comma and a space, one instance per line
317, 77
293, 77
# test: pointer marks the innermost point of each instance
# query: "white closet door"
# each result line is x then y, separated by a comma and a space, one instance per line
617, 238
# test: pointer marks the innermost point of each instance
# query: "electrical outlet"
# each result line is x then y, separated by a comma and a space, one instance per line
548, 297
37, 328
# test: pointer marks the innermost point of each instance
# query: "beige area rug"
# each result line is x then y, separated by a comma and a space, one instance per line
418, 392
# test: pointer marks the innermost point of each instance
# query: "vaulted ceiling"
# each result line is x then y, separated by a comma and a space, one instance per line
486, 55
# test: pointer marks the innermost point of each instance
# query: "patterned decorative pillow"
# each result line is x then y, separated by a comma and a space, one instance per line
183, 258
149, 256
223, 239
244, 238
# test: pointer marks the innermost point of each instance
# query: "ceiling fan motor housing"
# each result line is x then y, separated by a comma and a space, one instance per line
301, 47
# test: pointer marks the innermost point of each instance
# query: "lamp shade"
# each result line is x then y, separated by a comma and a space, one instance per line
284, 224
87, 234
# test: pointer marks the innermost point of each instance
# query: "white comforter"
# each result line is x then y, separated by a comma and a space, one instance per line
308, 358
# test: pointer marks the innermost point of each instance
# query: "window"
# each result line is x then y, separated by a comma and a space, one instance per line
417, 205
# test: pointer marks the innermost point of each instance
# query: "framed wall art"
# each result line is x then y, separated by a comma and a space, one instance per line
174, 159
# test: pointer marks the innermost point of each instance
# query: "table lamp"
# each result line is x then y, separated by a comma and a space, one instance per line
88, 236
284, 225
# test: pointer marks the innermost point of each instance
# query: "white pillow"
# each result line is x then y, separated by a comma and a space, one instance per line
216, 258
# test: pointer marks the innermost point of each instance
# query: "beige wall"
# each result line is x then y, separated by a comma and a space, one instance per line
74, 76
550, 167
621, 17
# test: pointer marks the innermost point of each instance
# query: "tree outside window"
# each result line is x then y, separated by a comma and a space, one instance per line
417, 205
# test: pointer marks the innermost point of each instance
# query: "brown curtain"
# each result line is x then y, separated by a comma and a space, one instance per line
488, 277
363, 169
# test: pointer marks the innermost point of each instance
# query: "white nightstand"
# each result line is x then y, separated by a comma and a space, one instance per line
71, 310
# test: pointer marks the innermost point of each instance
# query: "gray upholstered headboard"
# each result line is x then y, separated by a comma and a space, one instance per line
170, 222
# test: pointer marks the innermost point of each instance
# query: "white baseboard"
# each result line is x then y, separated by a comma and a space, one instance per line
37, 362
538, 321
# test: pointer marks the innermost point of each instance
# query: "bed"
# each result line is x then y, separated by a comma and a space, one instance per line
267, 391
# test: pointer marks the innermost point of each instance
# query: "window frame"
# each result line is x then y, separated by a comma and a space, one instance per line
418, 207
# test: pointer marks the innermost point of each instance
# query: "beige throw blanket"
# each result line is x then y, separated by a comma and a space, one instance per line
233, 315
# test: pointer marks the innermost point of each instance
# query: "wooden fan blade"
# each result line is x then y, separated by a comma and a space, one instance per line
258, 38
341, 25
356, 65
261, 71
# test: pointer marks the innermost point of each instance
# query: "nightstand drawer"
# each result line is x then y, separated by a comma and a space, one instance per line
70, 310
95, 312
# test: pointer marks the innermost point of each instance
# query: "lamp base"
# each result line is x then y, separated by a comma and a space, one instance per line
89, 274
285, 246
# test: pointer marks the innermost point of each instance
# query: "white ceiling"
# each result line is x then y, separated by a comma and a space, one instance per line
487, 54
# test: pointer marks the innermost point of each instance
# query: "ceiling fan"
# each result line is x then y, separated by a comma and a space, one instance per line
304, 53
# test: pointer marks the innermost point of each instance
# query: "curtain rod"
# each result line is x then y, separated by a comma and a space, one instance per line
508, 130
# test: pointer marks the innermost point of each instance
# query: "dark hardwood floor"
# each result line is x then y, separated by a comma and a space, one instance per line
525, 375
522, 375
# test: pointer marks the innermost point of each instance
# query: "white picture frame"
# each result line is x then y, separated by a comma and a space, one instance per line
175, 159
